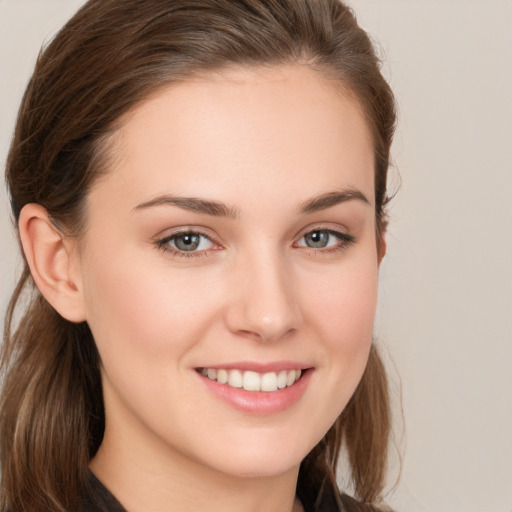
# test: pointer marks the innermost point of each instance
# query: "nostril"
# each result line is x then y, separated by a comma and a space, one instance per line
249, 334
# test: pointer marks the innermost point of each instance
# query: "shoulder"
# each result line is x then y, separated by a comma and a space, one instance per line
326, 497
98, 498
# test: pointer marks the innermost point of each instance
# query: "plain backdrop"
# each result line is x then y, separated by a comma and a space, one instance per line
445, 314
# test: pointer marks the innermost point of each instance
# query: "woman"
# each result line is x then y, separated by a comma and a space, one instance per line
199, 188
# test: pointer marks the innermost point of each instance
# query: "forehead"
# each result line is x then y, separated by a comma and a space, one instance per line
268, 129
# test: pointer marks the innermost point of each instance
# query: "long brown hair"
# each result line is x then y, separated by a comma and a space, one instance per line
107, 59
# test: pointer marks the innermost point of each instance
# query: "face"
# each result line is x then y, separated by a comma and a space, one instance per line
230, 248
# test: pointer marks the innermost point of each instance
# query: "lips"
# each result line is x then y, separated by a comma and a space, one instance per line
252, 380
255, 388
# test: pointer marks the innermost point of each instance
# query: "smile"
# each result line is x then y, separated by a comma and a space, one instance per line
253, 381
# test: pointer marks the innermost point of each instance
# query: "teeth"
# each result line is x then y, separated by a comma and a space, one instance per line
253, 381
235, 378
281, 379
222, 376
269, 382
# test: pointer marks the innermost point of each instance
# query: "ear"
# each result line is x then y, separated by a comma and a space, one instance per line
381, 247
53, 261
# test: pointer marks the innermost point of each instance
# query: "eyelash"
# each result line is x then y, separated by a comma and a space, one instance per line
344, 241
163, 244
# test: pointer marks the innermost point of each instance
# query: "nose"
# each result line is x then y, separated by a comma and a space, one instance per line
264, 302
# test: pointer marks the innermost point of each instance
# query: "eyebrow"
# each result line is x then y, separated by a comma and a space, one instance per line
195, 204
332, 199
218, 209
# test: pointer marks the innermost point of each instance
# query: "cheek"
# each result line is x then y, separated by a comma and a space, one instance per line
144, 311
344, 301
342, 312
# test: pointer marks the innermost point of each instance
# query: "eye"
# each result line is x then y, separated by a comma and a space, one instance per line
186, 242
325, 239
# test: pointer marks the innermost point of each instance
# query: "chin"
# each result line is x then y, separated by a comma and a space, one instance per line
260, 461
269, 468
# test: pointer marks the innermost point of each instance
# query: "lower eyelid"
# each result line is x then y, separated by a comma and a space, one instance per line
342, 237
164, 245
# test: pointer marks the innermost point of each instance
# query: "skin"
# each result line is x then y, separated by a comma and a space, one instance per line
262, 142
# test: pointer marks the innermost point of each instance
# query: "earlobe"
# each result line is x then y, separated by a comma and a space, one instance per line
52, 262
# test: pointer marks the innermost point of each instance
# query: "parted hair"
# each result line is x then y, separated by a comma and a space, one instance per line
111, 56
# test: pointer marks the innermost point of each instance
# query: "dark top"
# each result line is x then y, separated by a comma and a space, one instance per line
100, 499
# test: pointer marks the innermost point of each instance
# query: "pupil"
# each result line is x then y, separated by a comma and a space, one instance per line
187, 242
317, 239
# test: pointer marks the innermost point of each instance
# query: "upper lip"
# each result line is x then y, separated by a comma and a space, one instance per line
258, 367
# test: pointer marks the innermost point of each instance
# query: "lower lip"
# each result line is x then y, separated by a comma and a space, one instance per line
259, 402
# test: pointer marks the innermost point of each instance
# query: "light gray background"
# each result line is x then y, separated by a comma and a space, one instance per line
445, 313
